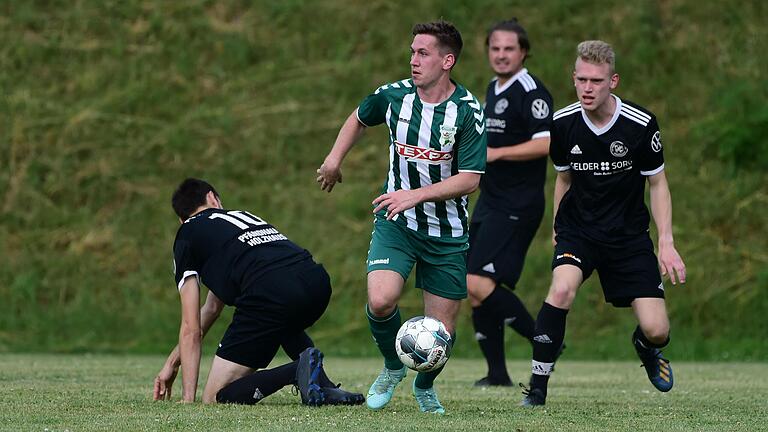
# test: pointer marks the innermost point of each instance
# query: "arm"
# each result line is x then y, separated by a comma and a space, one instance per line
190, 335
209, 312
670, 262
532, 149
562, 185
396, 202
330, 171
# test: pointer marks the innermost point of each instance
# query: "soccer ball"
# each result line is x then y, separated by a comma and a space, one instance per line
423, 344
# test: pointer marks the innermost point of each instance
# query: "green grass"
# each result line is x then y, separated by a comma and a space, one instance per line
111, 392
107, 105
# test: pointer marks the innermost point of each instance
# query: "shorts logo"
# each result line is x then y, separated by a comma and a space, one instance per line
489, 268
500, 106
618, 149
656, 142
569, 255
379, 261
542, 339
661, 286
539, 109
447, 135
421, 154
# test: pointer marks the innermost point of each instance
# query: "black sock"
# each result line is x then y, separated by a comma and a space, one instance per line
642, 344
549, 336
294, 344
513, 312
250, 389
489, 332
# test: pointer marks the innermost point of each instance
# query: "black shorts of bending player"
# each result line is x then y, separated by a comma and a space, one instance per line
275, 308
498, 244
627, 269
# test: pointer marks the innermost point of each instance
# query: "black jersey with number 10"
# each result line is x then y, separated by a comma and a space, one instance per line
608, 166
228, 250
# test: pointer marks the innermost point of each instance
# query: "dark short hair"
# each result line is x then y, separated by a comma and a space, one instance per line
511, 25
448, 36
189, 196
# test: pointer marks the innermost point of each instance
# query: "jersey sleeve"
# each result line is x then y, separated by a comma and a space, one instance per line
537, 107
373, 109
651, 154
472, 151
557, 146
184, 264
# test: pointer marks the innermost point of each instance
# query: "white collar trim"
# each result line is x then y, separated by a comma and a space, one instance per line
500, 89
599, 131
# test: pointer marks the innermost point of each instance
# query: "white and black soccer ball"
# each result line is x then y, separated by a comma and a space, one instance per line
423, 344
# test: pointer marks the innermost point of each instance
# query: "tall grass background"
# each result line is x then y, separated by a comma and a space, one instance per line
107, 105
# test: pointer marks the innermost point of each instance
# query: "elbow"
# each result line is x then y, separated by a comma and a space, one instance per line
214, 310
473, 185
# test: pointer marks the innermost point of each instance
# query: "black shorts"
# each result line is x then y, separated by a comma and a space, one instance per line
498, 244
627, 269
275, 309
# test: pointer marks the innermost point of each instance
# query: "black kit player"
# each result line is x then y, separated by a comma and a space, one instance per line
277, 290
604, 150
511, 204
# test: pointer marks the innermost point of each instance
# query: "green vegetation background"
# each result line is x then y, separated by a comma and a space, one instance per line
107, 105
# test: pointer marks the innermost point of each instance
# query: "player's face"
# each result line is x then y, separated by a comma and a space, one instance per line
504, 53
594, 83
427, 63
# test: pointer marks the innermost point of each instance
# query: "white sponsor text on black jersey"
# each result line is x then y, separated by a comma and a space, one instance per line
608, 168
515, 112
228, 250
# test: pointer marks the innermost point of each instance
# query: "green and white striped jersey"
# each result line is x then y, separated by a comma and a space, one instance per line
429, 143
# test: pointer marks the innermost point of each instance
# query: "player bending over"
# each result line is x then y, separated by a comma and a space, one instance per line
277, 290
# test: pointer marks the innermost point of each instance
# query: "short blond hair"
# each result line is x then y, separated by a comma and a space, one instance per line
597, 52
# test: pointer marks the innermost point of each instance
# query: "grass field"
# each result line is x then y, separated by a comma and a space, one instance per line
107, 392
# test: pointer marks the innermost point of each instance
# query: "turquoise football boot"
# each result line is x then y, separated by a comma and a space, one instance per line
382, 389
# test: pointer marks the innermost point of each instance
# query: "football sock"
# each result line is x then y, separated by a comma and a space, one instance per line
296, 343
384, 331
549, 336
643, 344
489, 333
250, 389
513, 312
425, 380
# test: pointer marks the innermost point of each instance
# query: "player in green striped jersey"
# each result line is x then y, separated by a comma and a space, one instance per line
437, 154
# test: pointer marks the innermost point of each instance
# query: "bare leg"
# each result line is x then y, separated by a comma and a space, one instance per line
479, 288
652, 317
222, 373
443, 309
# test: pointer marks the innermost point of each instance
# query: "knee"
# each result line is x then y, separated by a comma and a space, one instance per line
209, 398
381, 305
478, 289
561, 295
657, 334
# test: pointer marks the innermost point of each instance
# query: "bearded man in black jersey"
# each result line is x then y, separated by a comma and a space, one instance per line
277, 290
518, 117
604, 150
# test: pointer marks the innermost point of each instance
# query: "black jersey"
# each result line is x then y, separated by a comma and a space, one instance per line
228, 250
608, 166
516, 112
